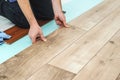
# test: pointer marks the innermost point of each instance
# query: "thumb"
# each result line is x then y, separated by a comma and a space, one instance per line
65, 24
42, 37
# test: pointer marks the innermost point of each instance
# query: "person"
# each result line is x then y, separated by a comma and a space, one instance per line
24, 13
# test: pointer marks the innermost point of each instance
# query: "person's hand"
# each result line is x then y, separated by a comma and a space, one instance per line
35, 33
60, 19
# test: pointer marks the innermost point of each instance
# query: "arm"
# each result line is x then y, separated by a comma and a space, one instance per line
35, 30
59, 16
57, 7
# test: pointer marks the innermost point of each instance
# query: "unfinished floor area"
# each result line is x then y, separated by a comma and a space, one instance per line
88, 50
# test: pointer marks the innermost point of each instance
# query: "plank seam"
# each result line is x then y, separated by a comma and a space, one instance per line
86, 31
51, 66
118, 78
97, 52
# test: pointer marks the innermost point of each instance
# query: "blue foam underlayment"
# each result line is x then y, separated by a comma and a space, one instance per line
73, 9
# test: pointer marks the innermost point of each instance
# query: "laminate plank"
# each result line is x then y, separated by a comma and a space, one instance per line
75, 57
5, 23
48, 72
17, 32
118, 78
92, 17
105, 65
26, 63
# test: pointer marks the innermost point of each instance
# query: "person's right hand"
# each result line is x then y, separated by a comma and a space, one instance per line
35, 32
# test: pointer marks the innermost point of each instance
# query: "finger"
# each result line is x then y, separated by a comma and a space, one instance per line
65, 24
33, 39
56, 18
42, 37
63, 21
58, 22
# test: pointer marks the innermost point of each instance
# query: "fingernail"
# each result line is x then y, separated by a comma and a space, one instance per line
45, 40
67, 26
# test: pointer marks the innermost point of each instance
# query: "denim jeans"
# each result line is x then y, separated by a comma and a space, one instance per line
42, 9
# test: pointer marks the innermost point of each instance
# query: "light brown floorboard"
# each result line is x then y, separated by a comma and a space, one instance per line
118, 78
48, 72
23, 65
105, 65
79, 53
92, 17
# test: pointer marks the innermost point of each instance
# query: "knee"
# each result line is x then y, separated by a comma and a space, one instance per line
21, 22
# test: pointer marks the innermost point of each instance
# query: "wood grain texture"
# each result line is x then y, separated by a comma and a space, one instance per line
79, 53
17, 32
105, 65
92, 17
118, 78
25, 64
89, 50
48, 72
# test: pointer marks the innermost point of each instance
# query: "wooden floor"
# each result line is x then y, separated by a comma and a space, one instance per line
89, 50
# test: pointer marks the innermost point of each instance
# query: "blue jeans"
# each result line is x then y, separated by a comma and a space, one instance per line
42, 9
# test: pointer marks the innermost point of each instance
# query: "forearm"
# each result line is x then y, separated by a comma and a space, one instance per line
27, 11
57, 7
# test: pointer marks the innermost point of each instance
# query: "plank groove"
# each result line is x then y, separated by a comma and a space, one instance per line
118, 78
23, 65
79, 53
92, 17
89, 50
105, 65
48, 72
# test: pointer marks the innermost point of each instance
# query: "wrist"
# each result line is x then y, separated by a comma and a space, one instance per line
57, 6
57, 11
33, 23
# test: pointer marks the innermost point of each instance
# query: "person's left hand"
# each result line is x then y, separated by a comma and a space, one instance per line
60, 19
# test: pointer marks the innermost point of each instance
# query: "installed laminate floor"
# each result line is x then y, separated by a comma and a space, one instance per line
88, 50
